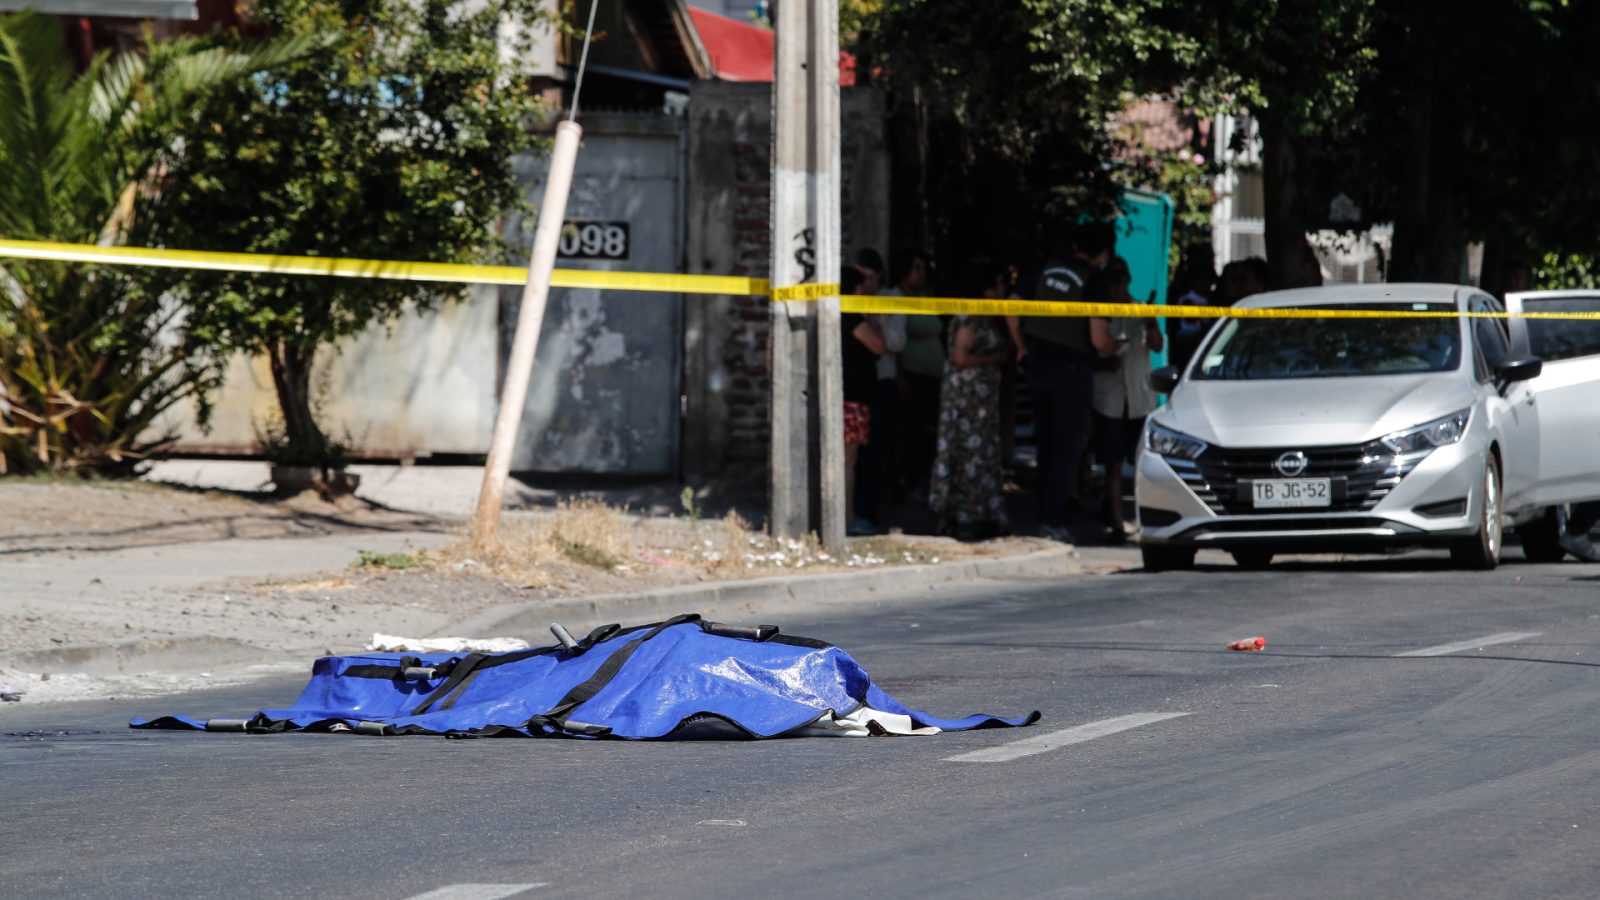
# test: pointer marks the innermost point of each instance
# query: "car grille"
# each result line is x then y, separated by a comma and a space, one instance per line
1362, 475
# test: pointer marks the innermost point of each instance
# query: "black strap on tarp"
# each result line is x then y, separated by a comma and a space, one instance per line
397, 669
556, 717
459, 673
469, 668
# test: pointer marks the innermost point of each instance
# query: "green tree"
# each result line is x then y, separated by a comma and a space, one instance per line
854, 17
87, 361
1298, 67
1002, 111
1457, 121
1496, 133
396, 142
1437, 138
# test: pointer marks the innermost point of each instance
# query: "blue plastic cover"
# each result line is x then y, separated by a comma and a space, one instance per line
639, 684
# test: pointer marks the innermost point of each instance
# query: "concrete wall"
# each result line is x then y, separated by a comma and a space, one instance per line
422, 385
605, 391
726, 361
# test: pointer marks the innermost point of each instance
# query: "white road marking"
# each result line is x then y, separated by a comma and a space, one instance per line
477, 891
1075, 735
1504, 637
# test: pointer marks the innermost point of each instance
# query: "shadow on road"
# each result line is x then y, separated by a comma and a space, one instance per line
1408, 563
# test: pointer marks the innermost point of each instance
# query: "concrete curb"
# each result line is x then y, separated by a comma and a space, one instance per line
181, 654
790, 594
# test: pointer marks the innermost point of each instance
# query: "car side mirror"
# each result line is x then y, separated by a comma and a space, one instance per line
1523, 369
1165, 379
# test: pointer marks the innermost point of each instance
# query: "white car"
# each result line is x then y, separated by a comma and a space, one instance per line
1313, 435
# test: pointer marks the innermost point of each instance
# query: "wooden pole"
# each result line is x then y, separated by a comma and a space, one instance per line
530, 317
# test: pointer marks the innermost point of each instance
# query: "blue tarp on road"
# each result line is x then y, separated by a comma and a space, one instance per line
638, 683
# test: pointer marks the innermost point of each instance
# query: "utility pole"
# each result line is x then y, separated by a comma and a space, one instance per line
530, 317
514, 394
807, 457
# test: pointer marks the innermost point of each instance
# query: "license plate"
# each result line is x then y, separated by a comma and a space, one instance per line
1282, 492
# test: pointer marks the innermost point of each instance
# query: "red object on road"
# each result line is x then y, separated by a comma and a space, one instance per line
1249, 645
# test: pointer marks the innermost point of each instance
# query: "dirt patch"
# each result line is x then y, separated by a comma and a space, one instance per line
585, 548
55, 515
97, 564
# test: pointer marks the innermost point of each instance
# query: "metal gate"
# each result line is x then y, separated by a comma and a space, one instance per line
604, 396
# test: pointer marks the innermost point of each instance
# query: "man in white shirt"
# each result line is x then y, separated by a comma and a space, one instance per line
1122, 393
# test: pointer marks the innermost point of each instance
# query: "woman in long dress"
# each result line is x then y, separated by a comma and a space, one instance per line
968, 479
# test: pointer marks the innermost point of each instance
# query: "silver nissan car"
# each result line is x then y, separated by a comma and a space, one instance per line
1323, 434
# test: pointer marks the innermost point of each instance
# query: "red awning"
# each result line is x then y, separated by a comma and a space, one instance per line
744, 52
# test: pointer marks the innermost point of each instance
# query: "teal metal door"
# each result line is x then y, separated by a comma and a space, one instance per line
1144, 239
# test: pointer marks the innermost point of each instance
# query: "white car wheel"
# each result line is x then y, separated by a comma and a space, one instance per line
1482, 550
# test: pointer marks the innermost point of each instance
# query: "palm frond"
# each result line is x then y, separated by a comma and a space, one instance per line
34, 75
153, 91
85, 363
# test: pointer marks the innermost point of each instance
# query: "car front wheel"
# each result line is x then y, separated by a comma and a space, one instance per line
1482, 550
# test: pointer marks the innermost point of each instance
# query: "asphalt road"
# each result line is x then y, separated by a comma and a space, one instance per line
1326, 766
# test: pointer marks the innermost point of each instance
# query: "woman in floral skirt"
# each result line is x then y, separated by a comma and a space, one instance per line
966, 490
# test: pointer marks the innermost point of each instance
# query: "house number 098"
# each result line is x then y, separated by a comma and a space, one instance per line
594, 240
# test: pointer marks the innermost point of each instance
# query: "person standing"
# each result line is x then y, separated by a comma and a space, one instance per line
921, 367
1575, 531
860, 345
966, 492
1240, 279
1122, 393
872, 470
1195, 285
1059, 358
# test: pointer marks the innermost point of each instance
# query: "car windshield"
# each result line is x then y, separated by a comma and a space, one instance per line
1255, 349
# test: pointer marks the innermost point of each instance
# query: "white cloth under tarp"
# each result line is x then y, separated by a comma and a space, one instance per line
389, 643
864, 722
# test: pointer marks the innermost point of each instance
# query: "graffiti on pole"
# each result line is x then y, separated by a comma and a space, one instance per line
806, 255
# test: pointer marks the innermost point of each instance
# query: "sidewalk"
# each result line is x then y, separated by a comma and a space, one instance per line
452, 491
105, 583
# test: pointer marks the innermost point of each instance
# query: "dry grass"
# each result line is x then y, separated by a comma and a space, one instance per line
585, 545
368, 559
588, 532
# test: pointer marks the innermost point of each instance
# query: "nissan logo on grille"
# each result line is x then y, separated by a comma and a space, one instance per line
1291, 464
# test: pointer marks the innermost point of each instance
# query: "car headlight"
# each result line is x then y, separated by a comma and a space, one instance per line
1438, 433
1167, 442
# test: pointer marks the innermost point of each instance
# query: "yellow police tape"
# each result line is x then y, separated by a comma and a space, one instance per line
381, 269
812, 291
951, 306
665, 282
